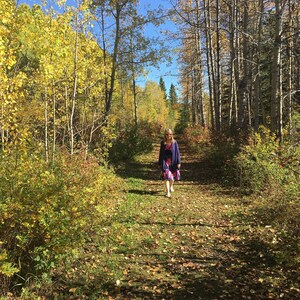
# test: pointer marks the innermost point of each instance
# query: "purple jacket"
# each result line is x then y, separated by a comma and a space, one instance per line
175, 156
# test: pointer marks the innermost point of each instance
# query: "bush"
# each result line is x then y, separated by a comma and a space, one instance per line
49, 211
130, 142
198, 138
265, 165
216, 148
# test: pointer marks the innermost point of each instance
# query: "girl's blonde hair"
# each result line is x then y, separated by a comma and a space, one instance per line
170, 132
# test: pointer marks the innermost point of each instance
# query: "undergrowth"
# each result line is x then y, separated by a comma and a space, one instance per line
130, 142
267, 173
49, 214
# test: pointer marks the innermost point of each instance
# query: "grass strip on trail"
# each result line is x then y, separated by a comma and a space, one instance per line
200, 244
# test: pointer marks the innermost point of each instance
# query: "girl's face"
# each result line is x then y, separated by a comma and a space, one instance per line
169, 135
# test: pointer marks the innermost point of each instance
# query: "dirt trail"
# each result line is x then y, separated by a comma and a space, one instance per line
187, 247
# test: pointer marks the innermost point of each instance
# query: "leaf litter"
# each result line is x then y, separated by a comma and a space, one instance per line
190, 246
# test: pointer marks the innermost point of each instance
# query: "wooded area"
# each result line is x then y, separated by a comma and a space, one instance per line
73, 112
244, 56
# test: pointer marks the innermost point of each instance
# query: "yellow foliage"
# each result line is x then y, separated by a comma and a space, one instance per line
152, 106
6, 268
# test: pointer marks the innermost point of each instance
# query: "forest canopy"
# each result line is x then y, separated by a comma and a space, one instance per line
73, 112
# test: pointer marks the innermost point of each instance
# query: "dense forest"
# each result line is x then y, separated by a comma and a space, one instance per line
72, 112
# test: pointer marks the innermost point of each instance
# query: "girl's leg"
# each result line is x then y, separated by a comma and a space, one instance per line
171, 186
167, 182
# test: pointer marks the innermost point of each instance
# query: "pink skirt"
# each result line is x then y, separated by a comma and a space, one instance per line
168, 175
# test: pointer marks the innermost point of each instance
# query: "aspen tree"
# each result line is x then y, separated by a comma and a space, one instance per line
209, 61
189, 14
117, 10
74, 93
13, 134
232, 110
257, 75
293, 81
276, 72
136, 50
199, 68
290, 64
218, 93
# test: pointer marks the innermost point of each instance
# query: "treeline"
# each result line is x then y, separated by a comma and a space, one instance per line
70, 104
240, 81
63, 86
240, 63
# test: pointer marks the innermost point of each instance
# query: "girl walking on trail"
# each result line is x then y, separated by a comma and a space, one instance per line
169, 161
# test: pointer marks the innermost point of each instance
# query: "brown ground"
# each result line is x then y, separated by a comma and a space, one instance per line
200, 244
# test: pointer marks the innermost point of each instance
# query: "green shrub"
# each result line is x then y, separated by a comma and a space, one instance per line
48, 211
198, 138
130, 142
265, 165
216, 148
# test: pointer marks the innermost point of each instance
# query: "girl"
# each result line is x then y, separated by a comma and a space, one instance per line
169, 161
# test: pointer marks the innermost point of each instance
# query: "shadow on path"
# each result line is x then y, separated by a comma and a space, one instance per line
193, 168
210, 258
143, 192
221, 273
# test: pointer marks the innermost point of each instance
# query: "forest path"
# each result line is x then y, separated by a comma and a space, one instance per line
191, 246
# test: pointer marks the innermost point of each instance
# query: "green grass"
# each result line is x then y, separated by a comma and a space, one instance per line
203, 243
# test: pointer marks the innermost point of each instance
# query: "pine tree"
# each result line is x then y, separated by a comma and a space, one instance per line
163, 87
173, 95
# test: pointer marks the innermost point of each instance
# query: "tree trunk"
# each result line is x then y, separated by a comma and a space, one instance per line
243, 83
199, 86
67, 126
236, 67
210, 64
276, 101
257, 77
194, 104
218, 101
46, 127
74, 94
290, 68
232, 118
109, 97
105, 63
2, 127
54, 121
135, 100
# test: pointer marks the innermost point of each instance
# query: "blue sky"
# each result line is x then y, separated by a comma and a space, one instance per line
169, 72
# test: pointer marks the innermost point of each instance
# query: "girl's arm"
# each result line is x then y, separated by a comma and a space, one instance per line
178, 160
160, 153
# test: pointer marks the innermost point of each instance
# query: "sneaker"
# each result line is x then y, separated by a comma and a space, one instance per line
171, 189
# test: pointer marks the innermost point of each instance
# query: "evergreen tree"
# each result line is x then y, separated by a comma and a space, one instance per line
184, 117
163, 87
173, 95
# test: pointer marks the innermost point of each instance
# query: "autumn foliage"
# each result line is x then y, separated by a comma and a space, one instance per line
72, 116
56, 187
47, 212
